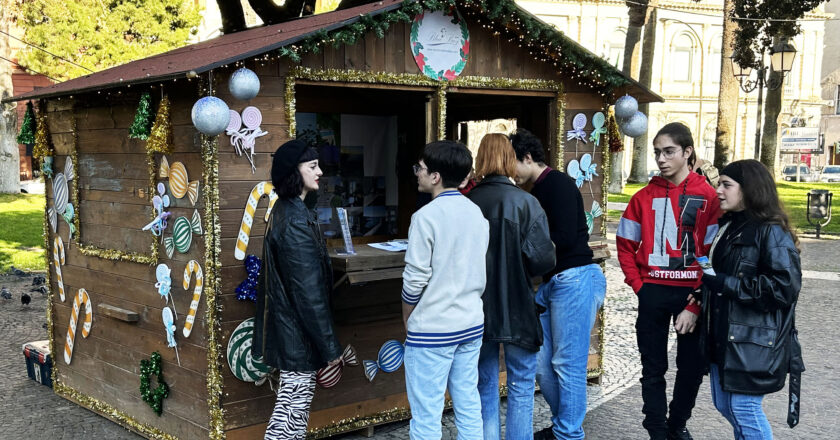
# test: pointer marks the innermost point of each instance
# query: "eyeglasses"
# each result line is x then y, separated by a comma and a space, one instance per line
667, 153
417, 168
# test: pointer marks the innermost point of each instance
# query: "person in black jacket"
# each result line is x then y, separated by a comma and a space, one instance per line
749, 301
520, 248
571, 294
294, 329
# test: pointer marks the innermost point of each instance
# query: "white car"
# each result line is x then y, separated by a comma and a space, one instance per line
831, 173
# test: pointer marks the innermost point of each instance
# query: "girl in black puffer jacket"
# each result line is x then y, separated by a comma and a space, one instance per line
750, 300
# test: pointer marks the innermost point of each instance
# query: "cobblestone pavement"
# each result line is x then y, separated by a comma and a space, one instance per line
614, 406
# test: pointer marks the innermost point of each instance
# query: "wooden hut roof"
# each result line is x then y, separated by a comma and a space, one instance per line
230, 48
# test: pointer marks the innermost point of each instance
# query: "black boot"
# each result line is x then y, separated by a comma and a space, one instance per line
679, 434
544, 434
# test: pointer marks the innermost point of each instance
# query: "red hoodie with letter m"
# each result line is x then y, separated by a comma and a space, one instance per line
664, 228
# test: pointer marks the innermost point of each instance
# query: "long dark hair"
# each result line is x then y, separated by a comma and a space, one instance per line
760, 197
681, 135
291, 184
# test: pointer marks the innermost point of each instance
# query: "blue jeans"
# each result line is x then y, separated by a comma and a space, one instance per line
572, 299
521, 366
429, 371
743, 411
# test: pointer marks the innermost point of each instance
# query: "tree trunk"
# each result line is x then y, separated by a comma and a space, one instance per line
638, 170
9, 154
727, 117
769, 137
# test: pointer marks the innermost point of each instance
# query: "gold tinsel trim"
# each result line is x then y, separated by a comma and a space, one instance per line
43, 141
291, 110
560, 101
212, 281
441, 111
116, 255
160, 138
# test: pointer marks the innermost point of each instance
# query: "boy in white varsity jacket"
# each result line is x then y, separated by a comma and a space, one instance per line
443, 281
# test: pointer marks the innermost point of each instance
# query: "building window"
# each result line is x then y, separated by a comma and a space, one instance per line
614, 49
713, 61
681, 58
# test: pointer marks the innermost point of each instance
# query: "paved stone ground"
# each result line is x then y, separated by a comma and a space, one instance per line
614, 406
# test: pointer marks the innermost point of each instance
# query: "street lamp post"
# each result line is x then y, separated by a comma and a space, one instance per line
781, 60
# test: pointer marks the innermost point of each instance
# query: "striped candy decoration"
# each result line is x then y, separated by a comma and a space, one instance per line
60, 193
193, 267
179, 183
81, 298
58, 260
331, 374
261, 189
242, 364
390, 359
182, 232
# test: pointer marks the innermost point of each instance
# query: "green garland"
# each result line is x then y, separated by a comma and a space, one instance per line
142, 119
27, 128
540, 39
154, 398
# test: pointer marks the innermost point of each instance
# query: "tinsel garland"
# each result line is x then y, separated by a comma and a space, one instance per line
540, 39
441, 111
160, 139
560, 102
43, 141
142, 118
27, 127
212, 281
615, 141
153, 397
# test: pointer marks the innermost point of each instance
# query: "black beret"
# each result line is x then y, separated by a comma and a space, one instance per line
286, 159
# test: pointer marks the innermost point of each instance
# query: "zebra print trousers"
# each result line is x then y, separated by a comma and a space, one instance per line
291, 411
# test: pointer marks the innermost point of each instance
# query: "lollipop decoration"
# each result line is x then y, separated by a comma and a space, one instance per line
242, 363
179, 183
159, 203
330, 375
591, 215
242, 139
244, 84
577, 128
169, 327
61, 194
390, 359
259, 190
193, 268
247, 289
582, 170
182, 232
164, 283
598, 120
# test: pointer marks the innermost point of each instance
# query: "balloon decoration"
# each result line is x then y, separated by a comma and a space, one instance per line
243, 139
182, 232
259, 190
61, 195
179, 183
210, 115
242, 363
636, 125
331, 374
159, 203
154, 398
247, 289
244, 84
390, 359
169, 327
625, 107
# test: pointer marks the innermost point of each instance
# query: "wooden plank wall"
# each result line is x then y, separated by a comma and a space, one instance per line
113, 180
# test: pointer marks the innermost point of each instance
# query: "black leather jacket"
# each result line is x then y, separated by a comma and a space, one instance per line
520, 248
753, 316
293, 329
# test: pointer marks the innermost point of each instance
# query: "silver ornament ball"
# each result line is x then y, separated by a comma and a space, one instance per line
635, 125
244, 84
626, 107
210, 115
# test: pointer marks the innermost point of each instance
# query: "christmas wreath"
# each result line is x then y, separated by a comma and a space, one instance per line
154, 398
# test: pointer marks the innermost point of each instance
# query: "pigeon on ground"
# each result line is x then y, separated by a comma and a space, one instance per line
17, 271
42, 289
5, 293
25, 299
38, 280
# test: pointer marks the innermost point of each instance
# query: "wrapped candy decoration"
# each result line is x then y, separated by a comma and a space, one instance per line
331, 374
247, 289
390, 359
625, 107
636, 126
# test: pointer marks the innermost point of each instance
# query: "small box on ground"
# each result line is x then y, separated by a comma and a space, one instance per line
38, 361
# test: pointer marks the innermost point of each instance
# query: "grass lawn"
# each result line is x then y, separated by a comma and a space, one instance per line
793, 195
21, 231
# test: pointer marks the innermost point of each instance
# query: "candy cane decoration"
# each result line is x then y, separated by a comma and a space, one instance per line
58, 261
81, 298
193, 267
261, 189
